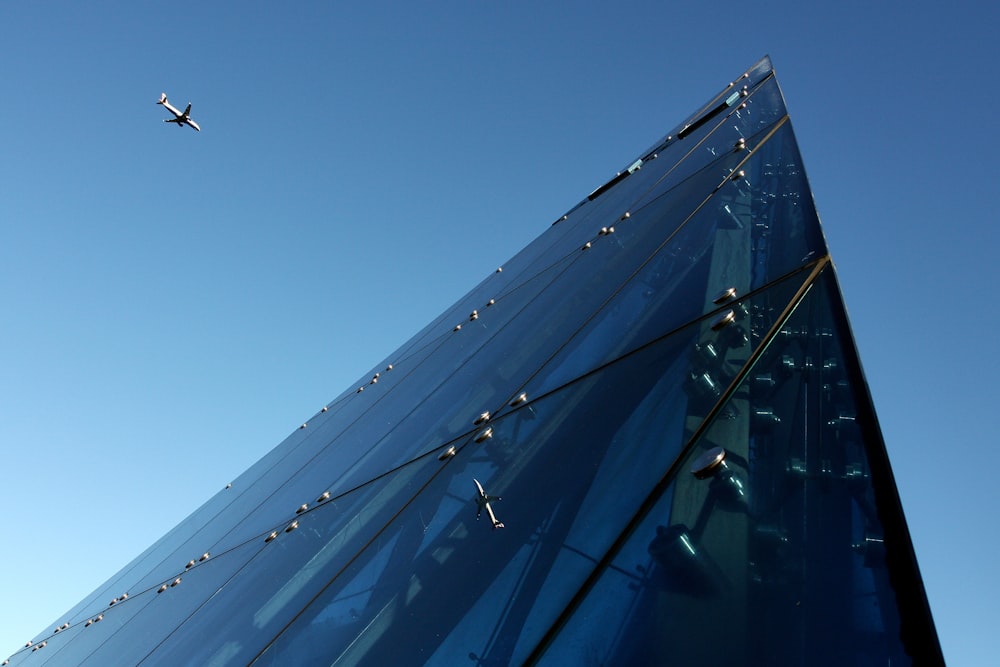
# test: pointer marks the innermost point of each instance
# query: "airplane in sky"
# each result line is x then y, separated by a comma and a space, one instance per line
180, 118
483, 502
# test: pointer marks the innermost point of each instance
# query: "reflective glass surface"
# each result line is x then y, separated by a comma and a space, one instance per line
771, 544
567, 466
514, 486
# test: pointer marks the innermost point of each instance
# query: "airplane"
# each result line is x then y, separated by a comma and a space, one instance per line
180, 118
483, 502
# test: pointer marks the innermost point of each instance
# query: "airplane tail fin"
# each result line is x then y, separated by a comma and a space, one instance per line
163, 98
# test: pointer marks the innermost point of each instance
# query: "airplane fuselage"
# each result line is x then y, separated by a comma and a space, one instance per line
485, 502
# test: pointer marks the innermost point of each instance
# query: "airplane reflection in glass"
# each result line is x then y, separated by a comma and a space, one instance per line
484, 502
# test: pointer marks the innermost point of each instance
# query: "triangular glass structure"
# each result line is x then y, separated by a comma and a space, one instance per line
646, 439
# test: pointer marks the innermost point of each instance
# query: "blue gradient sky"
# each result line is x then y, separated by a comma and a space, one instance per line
175, 303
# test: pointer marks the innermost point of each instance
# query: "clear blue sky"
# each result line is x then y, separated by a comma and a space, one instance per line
173, 303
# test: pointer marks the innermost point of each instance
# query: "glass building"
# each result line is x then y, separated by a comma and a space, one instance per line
644, 440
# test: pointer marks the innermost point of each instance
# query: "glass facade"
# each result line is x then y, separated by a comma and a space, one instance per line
646, 439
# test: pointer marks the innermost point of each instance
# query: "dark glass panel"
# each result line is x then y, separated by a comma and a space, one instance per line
778, 553
555, 462
292, 568
402, 421
89, 638
775, 200
541, 256
423, 409
763, 106
674, 147
204, 530
141, 630
47, 645
737, 131
197, 533
127, 579
727, 96
568, 466
718, 247
121, 633
453, 356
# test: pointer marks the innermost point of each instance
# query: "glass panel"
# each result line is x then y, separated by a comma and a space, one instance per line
749, 80
437, 568
677, 150
775, 201
775, 553
123, 632
438, 400
289, 570
764, 106
736, 131
568, 466
175, 598
728, 243
198, 533
126, 581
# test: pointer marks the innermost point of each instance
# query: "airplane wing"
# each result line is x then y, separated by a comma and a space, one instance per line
187, 112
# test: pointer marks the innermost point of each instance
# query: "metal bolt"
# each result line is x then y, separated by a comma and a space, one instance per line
724, 320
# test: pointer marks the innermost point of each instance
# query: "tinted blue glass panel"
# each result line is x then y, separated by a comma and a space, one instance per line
778, 553
721, 104
736, 131
566, 466
417, 411
287, 571
727, 242
759, 109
